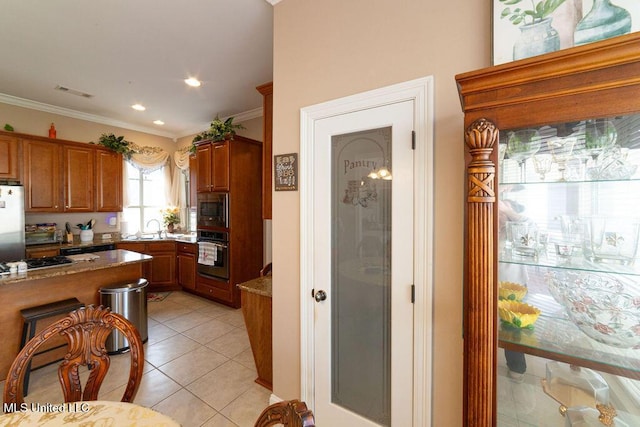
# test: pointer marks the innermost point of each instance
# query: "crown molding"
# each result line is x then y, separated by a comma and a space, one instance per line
273, 2
48, 108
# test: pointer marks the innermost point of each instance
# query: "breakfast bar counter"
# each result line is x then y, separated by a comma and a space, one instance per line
257, 310
81, 279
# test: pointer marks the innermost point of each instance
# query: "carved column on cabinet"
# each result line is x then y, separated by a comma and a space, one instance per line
479, 293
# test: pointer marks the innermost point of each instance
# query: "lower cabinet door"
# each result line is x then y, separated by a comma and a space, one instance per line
187, 271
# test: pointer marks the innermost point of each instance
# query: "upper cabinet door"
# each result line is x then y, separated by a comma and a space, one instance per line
9, 158
79, 164
220, 166
42, 162
108, 181
204, 156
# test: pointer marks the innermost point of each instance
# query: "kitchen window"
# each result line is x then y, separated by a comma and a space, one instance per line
146, 192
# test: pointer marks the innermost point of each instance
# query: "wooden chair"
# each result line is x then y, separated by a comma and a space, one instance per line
290, 413
266, 270
85, 330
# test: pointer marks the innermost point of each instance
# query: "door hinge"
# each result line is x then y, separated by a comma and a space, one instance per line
413, 139
413, 294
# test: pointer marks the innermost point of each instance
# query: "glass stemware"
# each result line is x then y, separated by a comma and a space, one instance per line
542, 164
561, 149
599, 135
522, 144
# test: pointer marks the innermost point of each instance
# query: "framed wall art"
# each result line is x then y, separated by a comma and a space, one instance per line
526, 28
285, 167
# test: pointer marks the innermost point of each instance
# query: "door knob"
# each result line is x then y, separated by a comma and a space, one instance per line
320, 296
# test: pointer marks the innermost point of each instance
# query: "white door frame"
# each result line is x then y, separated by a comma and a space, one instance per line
420, 91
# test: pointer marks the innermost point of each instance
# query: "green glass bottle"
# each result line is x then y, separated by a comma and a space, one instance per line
603, 21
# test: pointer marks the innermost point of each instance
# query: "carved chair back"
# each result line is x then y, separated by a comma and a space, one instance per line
290, 413
86, 331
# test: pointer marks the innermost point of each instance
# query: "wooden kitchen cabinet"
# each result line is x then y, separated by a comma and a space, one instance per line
67, 176
42, 176
187, 264
78, 176
193, 181
108, 181
234, 166
35, 252
220, 166
212, 159
573, 243
9, 166
161, 271
267, 143
203, 160
218, 290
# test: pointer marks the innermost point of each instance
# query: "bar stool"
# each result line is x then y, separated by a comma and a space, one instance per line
32, 315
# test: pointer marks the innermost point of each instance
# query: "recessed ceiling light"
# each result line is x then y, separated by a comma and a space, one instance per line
193, 82
138, 107
158, 122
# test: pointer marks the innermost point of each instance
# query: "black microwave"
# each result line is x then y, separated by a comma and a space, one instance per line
213, 210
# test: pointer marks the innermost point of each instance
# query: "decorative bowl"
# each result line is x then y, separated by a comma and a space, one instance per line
606, 309
518, 314
511, 291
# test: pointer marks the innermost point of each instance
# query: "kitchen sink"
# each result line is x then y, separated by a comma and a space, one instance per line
155, 237
145, 237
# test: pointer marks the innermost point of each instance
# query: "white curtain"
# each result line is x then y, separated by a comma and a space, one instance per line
178, 195
149, 159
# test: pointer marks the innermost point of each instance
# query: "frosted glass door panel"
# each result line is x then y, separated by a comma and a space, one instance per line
361, 273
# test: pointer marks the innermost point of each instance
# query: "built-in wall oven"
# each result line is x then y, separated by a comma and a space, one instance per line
213, 210
213, 254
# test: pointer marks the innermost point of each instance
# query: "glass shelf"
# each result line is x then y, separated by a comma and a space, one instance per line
577, 182
577, 262
554, 336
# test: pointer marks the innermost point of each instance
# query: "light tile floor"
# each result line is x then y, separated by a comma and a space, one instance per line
199, 367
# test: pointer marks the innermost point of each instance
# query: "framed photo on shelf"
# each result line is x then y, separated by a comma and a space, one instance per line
526, 28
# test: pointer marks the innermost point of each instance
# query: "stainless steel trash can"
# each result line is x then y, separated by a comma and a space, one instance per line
129, 300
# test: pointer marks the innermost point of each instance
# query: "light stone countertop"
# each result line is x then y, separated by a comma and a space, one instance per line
260, 286
107, 259
185, 238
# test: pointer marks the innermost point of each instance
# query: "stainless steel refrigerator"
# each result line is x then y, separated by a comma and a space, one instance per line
11, 223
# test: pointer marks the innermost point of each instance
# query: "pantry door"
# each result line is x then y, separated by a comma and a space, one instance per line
363, 267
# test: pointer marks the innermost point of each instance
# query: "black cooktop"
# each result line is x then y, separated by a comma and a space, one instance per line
50, 261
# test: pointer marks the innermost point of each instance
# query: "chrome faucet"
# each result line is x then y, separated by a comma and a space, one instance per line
159, 227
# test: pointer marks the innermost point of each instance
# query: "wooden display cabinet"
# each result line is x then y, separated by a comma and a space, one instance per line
560, 96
